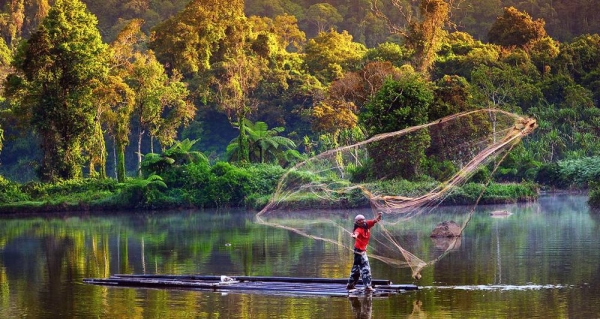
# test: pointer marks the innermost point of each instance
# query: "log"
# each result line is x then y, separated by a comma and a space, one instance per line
254, 278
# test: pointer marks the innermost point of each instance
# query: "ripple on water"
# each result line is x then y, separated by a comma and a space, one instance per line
498, 287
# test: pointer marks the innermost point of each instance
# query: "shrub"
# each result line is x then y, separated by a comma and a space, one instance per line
594, 195
228, 184
10, 192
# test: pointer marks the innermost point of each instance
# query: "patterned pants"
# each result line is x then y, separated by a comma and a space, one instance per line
360, 268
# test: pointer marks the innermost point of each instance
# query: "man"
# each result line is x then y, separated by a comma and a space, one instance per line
361, 267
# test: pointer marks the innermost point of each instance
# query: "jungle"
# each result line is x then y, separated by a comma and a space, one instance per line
147, 104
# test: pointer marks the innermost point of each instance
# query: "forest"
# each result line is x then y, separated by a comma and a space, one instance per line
204, 94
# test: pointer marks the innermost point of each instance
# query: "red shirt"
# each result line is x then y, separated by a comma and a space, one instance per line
363, 235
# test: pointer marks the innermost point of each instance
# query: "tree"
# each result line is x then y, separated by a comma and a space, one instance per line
422, 31
190, 40
516, 28
503, 86
161, 104
213, 47
330, 54
398, 105
57, 71
324, 16
460, 54
286, 90
579, 57
5, 61
234, 82
360, 86
264, 144
346, 97
476, 17
116, 96
115, 105
334, 116
179, 154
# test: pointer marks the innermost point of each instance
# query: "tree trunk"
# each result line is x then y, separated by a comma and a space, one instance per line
244, 152
120, 150
139, 151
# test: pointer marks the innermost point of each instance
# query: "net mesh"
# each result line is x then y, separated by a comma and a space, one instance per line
317, 197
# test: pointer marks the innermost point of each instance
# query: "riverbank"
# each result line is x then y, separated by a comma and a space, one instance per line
119, 197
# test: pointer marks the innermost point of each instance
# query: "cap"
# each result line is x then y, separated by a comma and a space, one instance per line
359, 217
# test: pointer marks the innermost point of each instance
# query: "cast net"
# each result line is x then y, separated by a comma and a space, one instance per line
319, 197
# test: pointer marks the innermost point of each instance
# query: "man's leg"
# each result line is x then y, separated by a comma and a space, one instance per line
355, 272
365, 270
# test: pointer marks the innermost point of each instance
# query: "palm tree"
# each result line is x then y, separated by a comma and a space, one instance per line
264, 144
179, 154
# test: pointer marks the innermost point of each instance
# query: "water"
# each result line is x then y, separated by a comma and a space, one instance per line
541, 262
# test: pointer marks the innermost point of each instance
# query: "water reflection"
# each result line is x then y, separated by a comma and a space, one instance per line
541, 261
362, 307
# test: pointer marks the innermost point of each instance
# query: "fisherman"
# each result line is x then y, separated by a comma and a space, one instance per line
361, 267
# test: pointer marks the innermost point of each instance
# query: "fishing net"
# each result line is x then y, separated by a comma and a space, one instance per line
319, 197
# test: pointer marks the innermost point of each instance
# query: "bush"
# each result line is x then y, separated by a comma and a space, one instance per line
264, 178
495, 193
569, 173
228, 184
10, 192
594, 195
549, 175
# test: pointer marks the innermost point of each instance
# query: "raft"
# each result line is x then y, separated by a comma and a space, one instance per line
250, 284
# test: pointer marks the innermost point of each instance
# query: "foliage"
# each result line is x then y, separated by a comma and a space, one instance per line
262, 69
398, 105
388, 52
594, 195
516, 28
10, 192
188, 40
57, 69
43, 191
177, 155
161, 104
264, 145
142, 193
504, 86
579, 173
330, 54
494, 193
518, 166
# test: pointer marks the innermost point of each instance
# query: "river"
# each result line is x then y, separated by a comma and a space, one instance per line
542, 261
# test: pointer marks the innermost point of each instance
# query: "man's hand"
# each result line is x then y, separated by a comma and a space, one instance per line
354, 235
379, 216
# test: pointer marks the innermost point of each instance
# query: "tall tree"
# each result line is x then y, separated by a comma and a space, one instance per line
516, 28
161, 103
208, 41
398, 105
286, 89
423, 30
116, 95
330, 54
323, 16
57, 71
189, 40
5, 61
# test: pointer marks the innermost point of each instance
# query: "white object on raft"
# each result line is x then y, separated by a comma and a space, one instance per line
226, 280
500, 213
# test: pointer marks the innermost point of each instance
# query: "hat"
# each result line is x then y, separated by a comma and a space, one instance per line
359, 217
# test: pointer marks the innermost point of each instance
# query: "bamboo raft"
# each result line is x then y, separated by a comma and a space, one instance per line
250, 284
